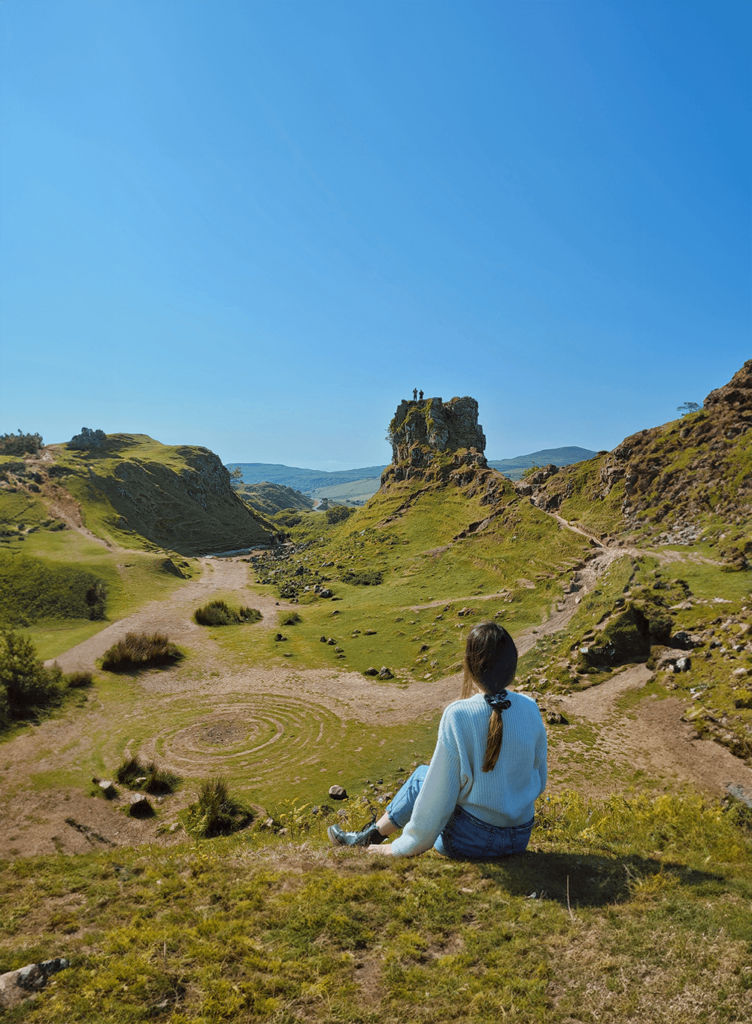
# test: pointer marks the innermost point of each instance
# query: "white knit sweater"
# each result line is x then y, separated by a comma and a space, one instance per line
504, 796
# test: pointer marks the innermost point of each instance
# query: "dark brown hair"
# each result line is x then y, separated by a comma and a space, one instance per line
490, 665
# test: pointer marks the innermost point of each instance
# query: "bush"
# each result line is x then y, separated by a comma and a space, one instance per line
363, 577
219, 613
216, 813
20, 443
150, 779
289, 619
138, 651
79, 680
26, 686
338, 513
88, 439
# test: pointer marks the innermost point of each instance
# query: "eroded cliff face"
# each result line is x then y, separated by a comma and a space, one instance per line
176, 497
436, 440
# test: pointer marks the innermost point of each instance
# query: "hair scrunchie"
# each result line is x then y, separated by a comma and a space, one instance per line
497, 701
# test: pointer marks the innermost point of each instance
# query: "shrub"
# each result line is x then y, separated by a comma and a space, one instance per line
219, 613
79, 680
338, 513
150, 779
88, 439
250, 615
138, 651
289, 619
363, 577
26, 686
216, 813
20, 443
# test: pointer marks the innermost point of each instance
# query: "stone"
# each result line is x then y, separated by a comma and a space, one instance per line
331, 641
384, 673
280, 638
371, 671
323, 639
326, 592
683, 664
370, 632
108, 788
16, 986
338, 793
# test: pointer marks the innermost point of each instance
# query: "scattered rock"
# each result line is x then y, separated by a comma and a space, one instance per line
338, 793
370, 632
108, 787
140, 806
371, 671
15, 986
331, 641
384, 673
323, 639
556, 718
279, 638
325, 592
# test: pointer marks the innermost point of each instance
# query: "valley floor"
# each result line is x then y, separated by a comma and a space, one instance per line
281, 733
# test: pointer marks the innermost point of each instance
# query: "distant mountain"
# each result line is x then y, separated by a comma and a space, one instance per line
339, 485
305, 480
514, 468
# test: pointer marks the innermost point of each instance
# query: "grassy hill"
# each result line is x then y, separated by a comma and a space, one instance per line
686, 481
268, 499
132, 491
632, 907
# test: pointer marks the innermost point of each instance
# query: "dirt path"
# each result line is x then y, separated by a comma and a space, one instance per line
173, 615
649, 735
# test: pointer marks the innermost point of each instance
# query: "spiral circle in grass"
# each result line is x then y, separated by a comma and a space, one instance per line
264, 736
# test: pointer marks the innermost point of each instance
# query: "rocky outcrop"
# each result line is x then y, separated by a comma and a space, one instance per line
674, 481
434, 440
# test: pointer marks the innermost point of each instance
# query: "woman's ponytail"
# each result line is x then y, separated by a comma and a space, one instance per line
490, 665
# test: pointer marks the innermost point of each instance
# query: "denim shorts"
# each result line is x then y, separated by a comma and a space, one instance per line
466, 836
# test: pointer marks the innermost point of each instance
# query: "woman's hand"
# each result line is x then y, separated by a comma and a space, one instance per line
380, 849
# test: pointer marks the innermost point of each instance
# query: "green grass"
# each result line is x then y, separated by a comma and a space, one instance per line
409, 539
131, 579
622, 911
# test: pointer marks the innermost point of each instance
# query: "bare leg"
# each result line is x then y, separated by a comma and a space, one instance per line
385, 826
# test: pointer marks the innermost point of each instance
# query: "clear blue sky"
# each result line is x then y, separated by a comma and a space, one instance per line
256, 226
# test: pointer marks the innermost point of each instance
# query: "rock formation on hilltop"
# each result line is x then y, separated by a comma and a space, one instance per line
688, 478
436, 440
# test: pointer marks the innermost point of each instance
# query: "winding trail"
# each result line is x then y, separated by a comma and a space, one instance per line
245, 718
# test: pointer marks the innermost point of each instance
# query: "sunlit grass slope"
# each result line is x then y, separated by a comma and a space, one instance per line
401, 569
632, 910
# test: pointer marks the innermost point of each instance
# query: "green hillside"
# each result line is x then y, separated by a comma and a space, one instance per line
268, 499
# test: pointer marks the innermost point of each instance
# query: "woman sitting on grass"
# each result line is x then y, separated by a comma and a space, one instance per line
476, 797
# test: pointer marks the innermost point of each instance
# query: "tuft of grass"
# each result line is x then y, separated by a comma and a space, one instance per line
290, 619
79, 680
150, 778
216, 813
219, 613
139, 651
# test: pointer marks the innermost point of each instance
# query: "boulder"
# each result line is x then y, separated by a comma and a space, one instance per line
338, 793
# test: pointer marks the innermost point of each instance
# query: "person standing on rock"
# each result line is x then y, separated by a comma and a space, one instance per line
415, 394
421, 395
476, 798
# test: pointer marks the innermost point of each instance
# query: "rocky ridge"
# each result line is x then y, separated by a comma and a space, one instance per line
676, 483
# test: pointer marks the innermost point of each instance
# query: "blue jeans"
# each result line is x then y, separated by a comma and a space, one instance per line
464, 835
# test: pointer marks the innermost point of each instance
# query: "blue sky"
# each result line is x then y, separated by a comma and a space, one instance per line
257, 226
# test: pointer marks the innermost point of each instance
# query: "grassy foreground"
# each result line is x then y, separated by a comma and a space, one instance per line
632, 910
